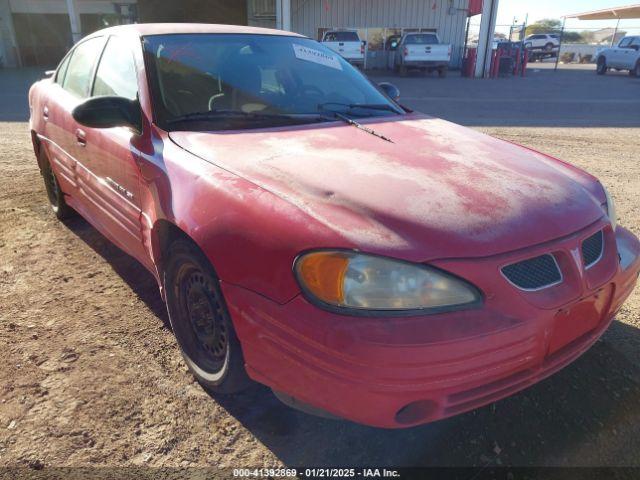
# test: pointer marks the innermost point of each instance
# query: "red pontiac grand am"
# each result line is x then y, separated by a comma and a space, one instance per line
310, 233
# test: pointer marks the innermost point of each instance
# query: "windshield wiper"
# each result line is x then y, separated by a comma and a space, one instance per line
222, 114
351, 121
366, 106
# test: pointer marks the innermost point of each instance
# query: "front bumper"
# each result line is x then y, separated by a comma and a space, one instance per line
397, 372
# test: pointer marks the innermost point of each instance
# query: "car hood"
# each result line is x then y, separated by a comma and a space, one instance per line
437, 190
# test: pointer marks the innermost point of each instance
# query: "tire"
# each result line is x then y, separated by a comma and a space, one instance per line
442, 72
635, 71
59, 206
601, 66
201, 321
548, 47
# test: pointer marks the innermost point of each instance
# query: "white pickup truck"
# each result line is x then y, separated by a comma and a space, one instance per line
347, 44
422, 51
624, 56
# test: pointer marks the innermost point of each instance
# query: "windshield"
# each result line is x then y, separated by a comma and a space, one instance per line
231, 81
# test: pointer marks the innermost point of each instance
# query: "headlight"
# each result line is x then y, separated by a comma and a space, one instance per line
350, 280
610, 208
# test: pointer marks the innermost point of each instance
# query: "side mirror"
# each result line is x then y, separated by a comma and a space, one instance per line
109, 112
391, 90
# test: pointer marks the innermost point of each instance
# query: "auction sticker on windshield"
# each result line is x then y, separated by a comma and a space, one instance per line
316, 56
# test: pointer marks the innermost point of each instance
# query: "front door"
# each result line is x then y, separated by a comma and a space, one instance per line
616, 59
114, 159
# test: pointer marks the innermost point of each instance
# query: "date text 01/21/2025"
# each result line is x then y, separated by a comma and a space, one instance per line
316, 472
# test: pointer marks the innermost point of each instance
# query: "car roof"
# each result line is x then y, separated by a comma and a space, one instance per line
144, 29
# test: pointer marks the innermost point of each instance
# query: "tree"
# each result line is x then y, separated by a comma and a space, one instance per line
546, 25
572, 37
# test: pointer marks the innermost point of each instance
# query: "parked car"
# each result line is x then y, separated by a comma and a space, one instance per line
309, 233
624, 56
542, 41
347, 44
422, 51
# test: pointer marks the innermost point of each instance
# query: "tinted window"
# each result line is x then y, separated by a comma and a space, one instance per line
248, 74
341, 37
80, 70
635, 41
62, 69
422, 39
116, 74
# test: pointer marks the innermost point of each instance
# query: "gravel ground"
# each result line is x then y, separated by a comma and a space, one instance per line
91, 375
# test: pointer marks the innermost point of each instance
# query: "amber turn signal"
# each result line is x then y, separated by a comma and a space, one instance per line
322, 273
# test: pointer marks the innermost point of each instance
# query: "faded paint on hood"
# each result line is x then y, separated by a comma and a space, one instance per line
440, 190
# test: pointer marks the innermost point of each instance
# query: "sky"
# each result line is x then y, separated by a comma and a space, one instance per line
538, 9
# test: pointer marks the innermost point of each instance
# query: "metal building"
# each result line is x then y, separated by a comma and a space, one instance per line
375, 20
38, 32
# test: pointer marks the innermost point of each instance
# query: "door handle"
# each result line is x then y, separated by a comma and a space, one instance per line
45, 113
81, 137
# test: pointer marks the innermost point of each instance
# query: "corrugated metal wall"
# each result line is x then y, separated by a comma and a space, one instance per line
447, 17
261, 13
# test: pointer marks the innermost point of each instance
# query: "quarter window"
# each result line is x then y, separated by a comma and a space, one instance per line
116, 74
80, 71
62, 69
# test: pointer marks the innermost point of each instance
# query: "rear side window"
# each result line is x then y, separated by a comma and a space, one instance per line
421, 39
80, 70
116, 74
341, 37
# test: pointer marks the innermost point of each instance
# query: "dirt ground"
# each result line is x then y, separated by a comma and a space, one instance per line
91, 375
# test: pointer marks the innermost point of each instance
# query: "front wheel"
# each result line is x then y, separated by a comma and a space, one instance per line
635, 71
54, 193
201, 322
601, 66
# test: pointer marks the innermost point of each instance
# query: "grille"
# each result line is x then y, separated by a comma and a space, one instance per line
534, 273
592, 249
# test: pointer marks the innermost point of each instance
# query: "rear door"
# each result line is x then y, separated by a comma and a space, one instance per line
630, 55
113, 157
72, 85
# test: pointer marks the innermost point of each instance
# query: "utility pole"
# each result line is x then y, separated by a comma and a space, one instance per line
74, 20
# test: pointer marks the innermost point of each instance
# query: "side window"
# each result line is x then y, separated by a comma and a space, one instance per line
62, 69
116, 74
635, 41
80, 69
624, 43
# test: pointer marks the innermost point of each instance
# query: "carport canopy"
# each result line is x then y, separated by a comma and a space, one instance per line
615, 13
